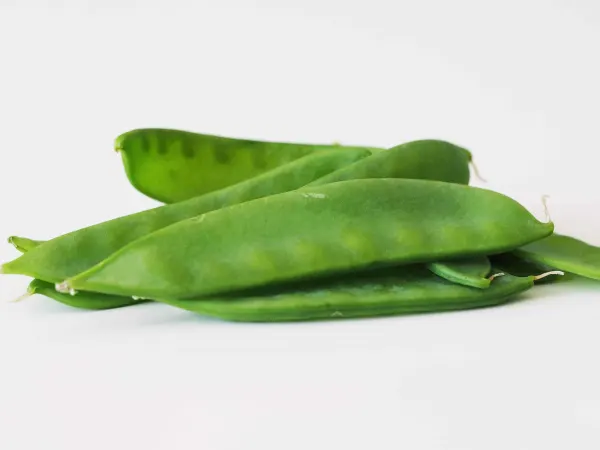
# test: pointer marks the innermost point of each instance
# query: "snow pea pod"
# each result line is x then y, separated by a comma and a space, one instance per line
173, 165
75, 252
315, 231
564, 253
424, 159
467, 271
393, 291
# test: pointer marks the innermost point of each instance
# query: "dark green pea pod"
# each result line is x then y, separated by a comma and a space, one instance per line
173, 165
312, 232
564, 253
472, 271
388, 292
75, 252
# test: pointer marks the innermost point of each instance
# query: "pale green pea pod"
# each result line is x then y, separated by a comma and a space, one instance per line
314, 232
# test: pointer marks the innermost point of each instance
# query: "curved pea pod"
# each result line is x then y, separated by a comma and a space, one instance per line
317, 231
23, 244
75, 252
467, 271
83, 300
173, 165
424, 159
383, 293
564, 253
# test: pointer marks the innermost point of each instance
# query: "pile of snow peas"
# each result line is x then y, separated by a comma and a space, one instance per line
264, 231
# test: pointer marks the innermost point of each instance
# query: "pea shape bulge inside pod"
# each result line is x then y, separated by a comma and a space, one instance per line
313, 232
173, 165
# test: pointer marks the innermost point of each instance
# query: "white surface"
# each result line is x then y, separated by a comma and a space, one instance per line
514, 81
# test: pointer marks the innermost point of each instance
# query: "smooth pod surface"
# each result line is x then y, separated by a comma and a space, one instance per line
83, 300
311, 232
564, 253
75, 252
471, 271
173, 165
424, 159
383, 293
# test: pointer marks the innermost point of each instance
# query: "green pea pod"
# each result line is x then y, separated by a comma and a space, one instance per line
389, 292
173, 165
340, 227
23, 244
83, 300
75, 252
467, 271
511, 263
564, 253
425, 160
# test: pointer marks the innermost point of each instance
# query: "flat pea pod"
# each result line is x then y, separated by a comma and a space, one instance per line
564, 253
173, 165
424, 159
511, 263
383, 293
75, 252
83, 300
23, 244
471, 271
311, 232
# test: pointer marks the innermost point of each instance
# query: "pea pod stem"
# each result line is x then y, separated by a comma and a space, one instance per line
547, 274
22, 297
545, 199
476, 171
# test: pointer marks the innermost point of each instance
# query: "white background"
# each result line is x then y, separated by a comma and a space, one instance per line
515, 81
